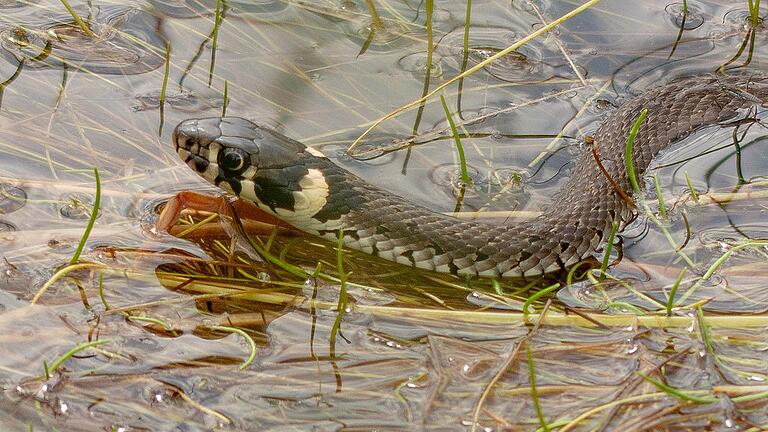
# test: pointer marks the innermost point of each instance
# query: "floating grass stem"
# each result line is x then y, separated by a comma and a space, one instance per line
659, 197
91, 220
217, 20
534, 392
79, 21
673, 291
459, 148
59, 361
608, 249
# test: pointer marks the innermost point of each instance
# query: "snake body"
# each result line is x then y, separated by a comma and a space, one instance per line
305, 189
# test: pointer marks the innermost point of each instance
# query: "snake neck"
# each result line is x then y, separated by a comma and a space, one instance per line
572, 228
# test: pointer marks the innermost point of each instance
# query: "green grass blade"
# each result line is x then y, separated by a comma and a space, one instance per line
673, 291
246, 336
459, 148
91, 220
536, 296
659, 197
59, 361
608, 249
628, 150
694, 195
678, 393
534, 392
217, 20
343, 299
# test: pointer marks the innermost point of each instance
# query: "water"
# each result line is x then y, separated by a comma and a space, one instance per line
415, 350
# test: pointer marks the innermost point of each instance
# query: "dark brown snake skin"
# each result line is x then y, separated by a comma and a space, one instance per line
570, 229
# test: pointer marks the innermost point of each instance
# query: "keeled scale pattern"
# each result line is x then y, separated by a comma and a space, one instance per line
581, 214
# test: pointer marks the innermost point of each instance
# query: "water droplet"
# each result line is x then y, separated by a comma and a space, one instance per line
263, 276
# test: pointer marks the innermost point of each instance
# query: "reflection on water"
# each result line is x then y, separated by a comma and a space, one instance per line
126, 42
414, 350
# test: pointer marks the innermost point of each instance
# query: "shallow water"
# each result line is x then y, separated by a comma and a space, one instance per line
415, 350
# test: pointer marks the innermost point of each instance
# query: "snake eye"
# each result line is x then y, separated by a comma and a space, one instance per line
233, 160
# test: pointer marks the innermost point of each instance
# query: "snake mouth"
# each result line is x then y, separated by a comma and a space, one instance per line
194, 141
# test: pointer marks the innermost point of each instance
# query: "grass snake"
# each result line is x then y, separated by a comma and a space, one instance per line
302, 187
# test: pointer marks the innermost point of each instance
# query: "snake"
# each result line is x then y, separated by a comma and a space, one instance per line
304, 188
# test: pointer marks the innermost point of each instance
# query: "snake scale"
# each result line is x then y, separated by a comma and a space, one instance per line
302, 187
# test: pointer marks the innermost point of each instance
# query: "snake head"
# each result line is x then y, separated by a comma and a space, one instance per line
232, 148
253, 162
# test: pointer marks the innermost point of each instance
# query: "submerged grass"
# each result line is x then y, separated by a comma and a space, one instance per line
534, 392
341, 308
